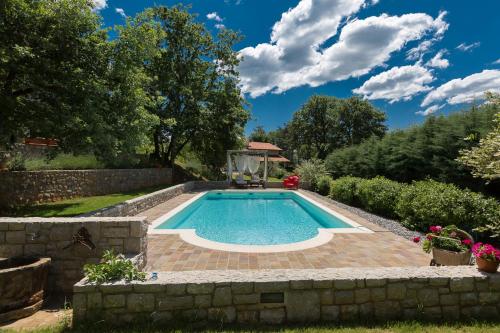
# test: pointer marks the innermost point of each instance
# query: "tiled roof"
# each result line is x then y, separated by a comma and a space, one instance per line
254, 145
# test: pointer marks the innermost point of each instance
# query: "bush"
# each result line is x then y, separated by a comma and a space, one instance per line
112, 268
310, 171
426, 203
379, 195
345, 190
323, 185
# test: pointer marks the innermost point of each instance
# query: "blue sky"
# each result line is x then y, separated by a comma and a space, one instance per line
410, 58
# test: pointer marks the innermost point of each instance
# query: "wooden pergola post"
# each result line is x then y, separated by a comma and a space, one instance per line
265, 168
229, 167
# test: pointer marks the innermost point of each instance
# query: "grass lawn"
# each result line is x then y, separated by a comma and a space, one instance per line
398, 327
77, 206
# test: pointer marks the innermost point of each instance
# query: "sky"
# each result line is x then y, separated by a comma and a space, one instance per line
410, 58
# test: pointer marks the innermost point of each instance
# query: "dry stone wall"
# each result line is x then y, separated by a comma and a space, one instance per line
30, 187
279, 296
53, 237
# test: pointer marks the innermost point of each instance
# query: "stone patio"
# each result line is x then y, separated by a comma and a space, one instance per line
379, 249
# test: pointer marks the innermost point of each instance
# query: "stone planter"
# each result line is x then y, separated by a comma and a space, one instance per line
450, 258
486, 265
22, 286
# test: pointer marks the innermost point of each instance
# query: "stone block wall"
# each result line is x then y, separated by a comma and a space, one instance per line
30, 187
142, 203
53, 237
279, 296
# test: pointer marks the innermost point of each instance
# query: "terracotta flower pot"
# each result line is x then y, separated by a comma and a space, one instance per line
486, 265
450, 258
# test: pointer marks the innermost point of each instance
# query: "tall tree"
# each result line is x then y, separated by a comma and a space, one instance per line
259, 134
326, 123
191, 72
62, 78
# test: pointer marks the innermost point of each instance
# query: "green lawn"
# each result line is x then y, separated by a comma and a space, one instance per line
77, 206
403, 327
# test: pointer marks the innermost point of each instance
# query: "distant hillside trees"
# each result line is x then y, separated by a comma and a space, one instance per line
427, 150
326, 123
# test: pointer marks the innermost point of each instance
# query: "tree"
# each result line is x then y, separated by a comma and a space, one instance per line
484, 159
195, 83
326, 123
259, 134
52, 56
62, 78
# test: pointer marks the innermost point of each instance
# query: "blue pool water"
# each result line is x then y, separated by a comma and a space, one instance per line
253, 218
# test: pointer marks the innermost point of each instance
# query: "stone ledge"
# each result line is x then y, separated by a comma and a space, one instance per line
277, 275
70, 219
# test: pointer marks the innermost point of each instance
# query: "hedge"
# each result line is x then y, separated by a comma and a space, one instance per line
420, 204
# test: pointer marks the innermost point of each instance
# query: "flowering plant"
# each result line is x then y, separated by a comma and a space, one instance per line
448, 238
486, 252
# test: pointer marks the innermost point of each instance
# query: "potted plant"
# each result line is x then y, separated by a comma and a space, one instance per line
450, 246
487, 257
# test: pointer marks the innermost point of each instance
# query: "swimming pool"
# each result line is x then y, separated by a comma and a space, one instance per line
248, 221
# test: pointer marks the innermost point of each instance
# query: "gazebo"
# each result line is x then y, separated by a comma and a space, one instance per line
245, 152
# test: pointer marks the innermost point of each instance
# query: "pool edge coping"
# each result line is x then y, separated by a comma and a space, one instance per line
324, 235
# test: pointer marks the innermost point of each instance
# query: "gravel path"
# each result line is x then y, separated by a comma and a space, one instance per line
391, 225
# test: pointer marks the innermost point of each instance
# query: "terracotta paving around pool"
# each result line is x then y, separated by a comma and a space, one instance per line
379, 249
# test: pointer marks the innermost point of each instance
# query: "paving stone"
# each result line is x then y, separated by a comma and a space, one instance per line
330, 313
302, 306
272, 316
222, 296
242, 287
202, 301
140, 302
461, 284
200, 288
343, 297
396, 291
361, 295
428, 297
114, 301
174, 302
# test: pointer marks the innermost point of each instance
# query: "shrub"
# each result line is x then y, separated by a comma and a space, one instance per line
310, 171
345, 190
427, 203
113, 267
379, 195
323, 185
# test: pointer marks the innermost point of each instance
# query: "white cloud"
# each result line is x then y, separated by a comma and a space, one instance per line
497, 62
121, 12
99, 4
438, 61
398, 83
467, 47
295, 56
220, 26
214, 16
430, 110
465, 90
418, 51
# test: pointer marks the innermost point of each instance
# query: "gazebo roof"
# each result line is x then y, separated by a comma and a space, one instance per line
255, 145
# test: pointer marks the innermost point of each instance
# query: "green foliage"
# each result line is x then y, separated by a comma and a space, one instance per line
448, 238
345, 190
64, 162
379, 195
427, 150
484, 159
259, 134
112, 268
323, 185
326, 123
310, 171
17, 162
427, 203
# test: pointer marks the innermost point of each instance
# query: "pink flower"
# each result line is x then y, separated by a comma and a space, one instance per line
467, 242
429, 237
416, 239
435, 229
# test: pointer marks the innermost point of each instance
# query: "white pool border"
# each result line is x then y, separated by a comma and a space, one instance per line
189, 235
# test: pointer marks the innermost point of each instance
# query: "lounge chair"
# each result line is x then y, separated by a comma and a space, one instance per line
255, 180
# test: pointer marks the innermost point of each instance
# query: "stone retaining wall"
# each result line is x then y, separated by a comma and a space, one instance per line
142, 203
53, 237
30, 187
279, 296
